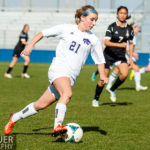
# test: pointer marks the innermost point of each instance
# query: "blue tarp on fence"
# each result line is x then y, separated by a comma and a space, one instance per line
45, 56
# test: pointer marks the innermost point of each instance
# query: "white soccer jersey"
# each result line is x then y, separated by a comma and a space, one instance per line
74, 47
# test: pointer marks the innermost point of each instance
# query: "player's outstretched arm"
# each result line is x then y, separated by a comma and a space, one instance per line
30, 46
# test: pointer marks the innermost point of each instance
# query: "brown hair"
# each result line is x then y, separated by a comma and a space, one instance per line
132, 24
81, 11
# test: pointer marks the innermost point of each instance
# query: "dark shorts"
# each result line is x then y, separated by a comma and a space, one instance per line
17, 52
113, 61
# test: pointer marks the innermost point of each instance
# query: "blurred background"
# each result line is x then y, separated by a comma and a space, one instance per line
47, 13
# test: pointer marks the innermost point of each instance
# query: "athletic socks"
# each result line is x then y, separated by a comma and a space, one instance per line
143, 70
137, 78
24, 113
116, 84
9, 70
98, 91
112, 77
59, 114
29, 110
25, 69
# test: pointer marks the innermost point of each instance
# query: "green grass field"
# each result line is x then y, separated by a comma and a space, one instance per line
123, 125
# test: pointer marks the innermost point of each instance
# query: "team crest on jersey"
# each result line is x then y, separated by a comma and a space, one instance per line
127, 34
116, 32
86, 41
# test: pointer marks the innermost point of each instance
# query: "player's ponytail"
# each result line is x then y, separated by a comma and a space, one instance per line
84, 11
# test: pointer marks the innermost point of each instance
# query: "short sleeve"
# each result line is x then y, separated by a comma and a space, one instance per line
23, 37
53, 31
108, 34
97, 53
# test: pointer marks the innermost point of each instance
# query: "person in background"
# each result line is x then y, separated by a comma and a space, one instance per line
135, 68
23, 38
116, 38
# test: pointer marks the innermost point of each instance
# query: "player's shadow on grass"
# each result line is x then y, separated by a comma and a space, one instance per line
19, 76
86, 129
117, 104
95, 129
126, 88
35, 132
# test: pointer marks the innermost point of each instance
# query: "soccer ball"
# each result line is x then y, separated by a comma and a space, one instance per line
74, 133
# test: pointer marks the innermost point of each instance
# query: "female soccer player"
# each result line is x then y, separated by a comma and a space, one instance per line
23, 38
76, 41
117, 35
136, 69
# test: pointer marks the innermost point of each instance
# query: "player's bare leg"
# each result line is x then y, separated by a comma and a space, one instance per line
26, 64
63, 86
12, 64
44, 101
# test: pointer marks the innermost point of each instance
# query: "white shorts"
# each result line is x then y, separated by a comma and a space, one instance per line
57, 70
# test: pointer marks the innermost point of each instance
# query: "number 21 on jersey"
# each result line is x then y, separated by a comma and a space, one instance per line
74, 46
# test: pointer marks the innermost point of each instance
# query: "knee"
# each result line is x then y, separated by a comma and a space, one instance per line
66, 96
124, 75
27, 60
100, 83
137, 69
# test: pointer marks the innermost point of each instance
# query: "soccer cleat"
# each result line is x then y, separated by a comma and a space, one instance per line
25, 75
9, 126
59, 130
141, 88
93, 76
95, 103
113, 96
8, 75
131, 75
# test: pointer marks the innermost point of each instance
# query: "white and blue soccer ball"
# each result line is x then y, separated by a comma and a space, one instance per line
74, 133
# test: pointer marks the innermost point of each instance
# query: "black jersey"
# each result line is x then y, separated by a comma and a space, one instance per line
22, 37
118, 34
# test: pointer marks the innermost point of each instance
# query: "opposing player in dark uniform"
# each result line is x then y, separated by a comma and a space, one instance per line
135, 72
23, 38
116, 38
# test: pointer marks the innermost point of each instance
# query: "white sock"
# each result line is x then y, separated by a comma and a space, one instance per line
26, 112
112, 77
137, 78
59, 114
143, 70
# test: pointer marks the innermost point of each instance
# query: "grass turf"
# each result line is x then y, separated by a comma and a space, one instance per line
123, 125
